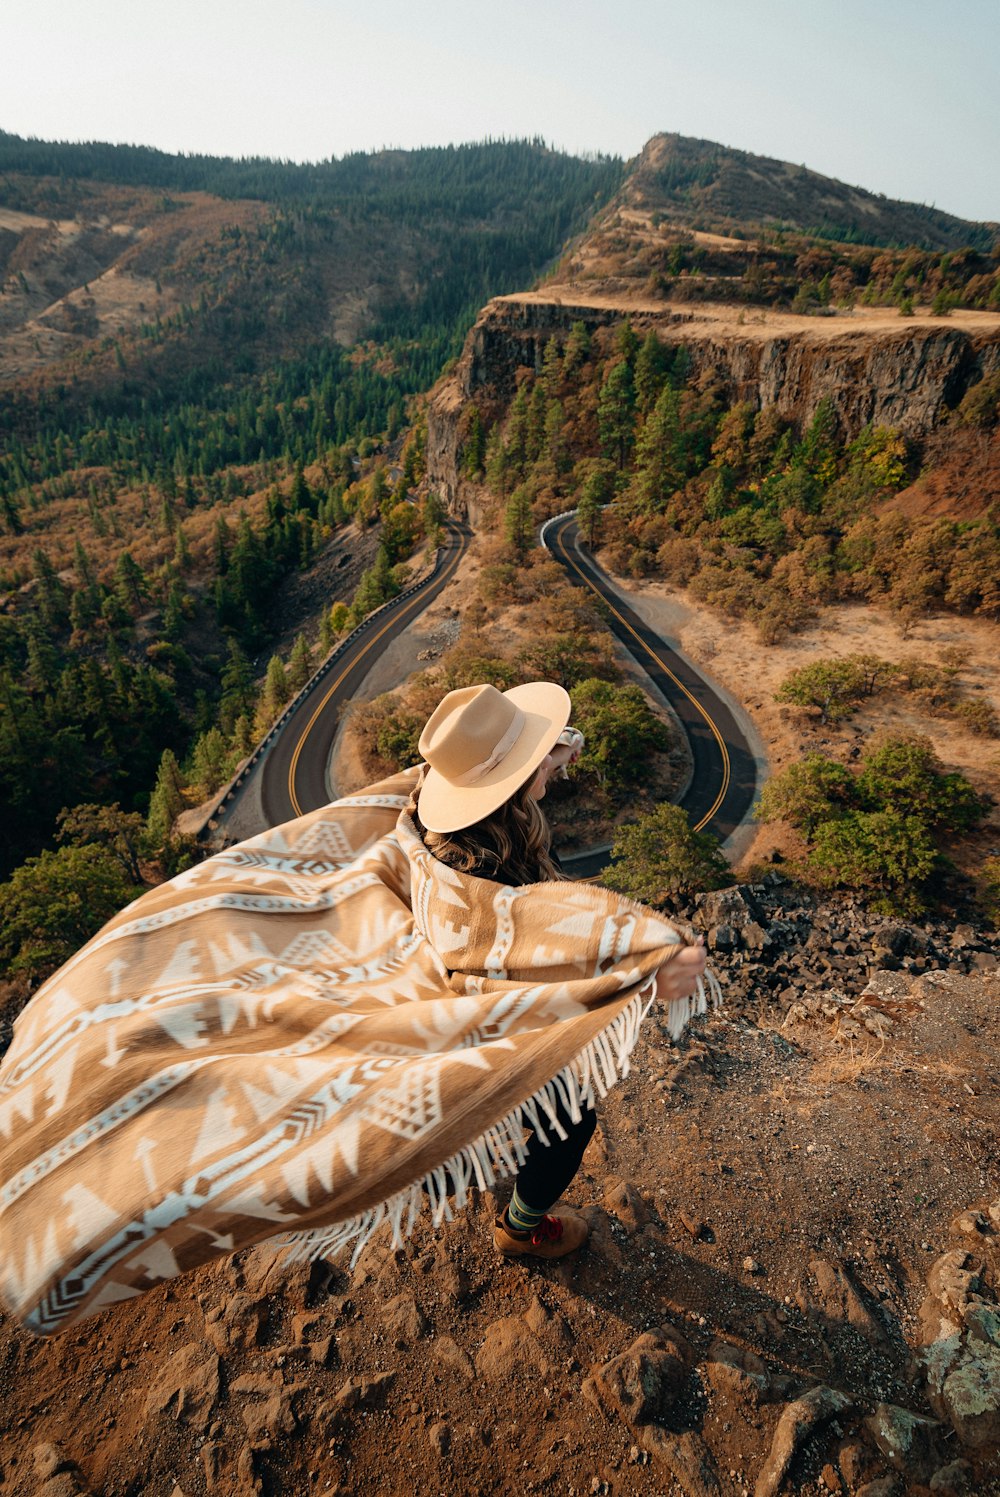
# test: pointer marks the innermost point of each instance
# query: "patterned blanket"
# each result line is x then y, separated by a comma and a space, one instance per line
309, 1034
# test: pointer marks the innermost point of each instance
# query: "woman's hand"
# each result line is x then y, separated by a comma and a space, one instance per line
678, 978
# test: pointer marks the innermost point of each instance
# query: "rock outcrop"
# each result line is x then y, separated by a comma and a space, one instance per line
906, 378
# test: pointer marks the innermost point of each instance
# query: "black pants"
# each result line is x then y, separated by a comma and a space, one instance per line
546, 1172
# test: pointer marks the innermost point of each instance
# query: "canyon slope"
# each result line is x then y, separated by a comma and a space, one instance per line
789, 288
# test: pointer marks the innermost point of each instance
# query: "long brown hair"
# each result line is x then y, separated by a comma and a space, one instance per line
513, 843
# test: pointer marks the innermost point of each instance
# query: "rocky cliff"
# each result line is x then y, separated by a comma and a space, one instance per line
872, 367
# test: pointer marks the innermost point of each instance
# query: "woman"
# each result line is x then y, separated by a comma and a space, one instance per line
312, 1032
510, 843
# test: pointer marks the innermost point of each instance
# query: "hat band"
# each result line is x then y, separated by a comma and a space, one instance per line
500, 752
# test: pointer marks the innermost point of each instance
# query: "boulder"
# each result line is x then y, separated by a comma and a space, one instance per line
909, 1442
643, 1382
797, 1423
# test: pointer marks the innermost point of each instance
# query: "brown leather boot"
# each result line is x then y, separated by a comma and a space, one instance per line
561, 1231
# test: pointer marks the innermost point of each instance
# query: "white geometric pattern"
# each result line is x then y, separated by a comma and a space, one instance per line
264, 1039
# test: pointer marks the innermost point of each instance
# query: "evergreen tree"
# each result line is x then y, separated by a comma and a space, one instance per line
519, 521
210, 764
577, 350
166, 802
659, 455
474, 446
652, 366
300, 664
237, 688
616, 413
551, 376
272, 699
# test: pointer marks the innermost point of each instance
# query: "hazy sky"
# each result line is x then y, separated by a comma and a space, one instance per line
899, 96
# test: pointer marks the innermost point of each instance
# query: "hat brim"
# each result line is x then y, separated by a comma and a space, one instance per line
444, 807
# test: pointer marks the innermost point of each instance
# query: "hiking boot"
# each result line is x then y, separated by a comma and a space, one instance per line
562, 1231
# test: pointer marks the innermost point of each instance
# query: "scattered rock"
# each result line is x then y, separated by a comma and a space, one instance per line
248, 1473
960, 1330
737, 906
624, 1201
970, 1397
970, 1222
510, 1349
439, 1437
734, 1384
839, 1298
270, 1415
237, 1324
797, 1423
55, 1474
358, 1393
451, 1356
267, 1272
908, 1441
686, 1457
952, 1480
404, 1320
642, 1383
187, 1386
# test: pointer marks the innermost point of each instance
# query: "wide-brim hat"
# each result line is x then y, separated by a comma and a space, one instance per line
481, 745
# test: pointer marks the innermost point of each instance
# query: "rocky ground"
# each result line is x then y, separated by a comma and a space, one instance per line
791, 1283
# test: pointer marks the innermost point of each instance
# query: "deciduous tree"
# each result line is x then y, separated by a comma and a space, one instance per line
660, 859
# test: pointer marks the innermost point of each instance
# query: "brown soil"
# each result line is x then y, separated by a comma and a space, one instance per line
769, 1191
712, 320
731, 652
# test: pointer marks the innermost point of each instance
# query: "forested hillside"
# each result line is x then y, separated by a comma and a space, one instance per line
207, 365
762, 519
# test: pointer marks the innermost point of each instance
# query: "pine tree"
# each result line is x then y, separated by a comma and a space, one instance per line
275, 694
651, 368
616, 413
519, 521
166, 802
209, 764
659, 455
552, 361
474, 446
300, 664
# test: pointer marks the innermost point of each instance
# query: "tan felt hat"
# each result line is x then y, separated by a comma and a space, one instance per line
481, 745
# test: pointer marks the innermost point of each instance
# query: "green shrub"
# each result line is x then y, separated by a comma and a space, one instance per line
660, 859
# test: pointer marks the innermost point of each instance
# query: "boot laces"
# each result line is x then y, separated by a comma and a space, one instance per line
549, 1229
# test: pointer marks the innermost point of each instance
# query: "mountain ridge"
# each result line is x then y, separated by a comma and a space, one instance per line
701, 178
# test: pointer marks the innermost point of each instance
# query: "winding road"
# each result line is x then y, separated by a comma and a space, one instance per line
724, 778
293, 770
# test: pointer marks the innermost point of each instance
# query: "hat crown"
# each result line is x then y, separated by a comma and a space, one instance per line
467, 731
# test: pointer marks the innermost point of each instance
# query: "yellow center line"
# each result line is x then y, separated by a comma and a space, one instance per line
396, 618
726, 768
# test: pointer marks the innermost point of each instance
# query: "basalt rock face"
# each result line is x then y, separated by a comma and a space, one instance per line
508, 336
907, 379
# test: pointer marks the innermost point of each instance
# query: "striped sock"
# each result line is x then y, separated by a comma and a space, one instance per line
520, 1216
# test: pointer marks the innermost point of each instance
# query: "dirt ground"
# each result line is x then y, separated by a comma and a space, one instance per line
770, 1198
732, 653
711, 319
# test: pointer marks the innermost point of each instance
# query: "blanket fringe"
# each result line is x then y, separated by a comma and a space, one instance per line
500, 1150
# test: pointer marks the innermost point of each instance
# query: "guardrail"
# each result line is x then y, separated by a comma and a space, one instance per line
551, 521
338, 651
